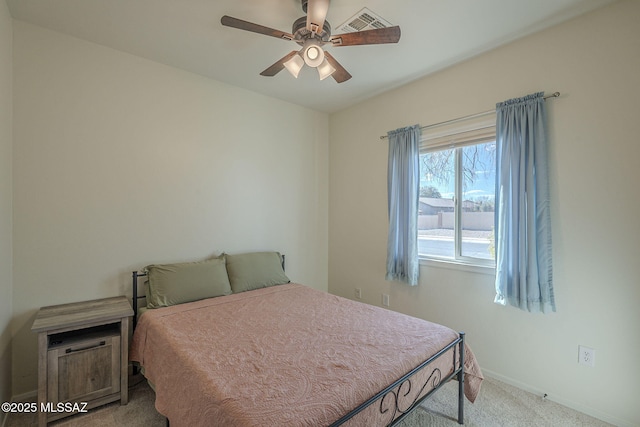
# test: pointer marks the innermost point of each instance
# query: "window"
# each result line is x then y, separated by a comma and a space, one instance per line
457, 194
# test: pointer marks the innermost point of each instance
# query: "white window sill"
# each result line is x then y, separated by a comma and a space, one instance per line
451, 264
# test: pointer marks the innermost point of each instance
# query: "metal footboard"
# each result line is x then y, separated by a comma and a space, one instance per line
391, 397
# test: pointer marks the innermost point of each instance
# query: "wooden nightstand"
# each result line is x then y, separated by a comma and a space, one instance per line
82, 355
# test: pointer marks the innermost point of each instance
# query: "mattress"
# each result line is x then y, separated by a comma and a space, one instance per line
286, 355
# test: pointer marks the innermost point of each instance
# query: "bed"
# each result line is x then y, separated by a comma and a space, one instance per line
263, 353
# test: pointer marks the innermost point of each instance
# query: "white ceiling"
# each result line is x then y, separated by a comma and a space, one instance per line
187, 34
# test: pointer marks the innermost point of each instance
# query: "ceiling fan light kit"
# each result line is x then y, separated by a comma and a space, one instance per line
294, 65
312, 53
312, 32
325, 70
313, 56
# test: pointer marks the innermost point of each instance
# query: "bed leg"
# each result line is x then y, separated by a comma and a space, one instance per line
461, 382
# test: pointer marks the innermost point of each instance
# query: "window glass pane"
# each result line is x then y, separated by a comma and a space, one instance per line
478, 200
436, 216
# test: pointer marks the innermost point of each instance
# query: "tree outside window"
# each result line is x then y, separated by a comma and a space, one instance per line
457, 202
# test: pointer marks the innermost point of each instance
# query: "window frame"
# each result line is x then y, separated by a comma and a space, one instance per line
456, 135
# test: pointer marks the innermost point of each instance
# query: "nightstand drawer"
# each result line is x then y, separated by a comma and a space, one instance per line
84, 370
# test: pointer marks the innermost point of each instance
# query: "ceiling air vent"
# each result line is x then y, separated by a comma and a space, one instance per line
363, 20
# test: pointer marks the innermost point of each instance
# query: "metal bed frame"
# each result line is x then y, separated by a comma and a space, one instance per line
394, 397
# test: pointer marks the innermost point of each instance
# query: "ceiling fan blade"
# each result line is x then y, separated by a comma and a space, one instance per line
340, 75
316, 14
254, 28
278, 66
377, 36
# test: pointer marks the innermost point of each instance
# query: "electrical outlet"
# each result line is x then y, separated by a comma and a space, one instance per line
385, 300
358, 293
586, 356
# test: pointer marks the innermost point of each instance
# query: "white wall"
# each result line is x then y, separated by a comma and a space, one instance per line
6, 285
594, 61
120, 162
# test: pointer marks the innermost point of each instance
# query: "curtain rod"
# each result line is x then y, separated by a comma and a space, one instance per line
472, 116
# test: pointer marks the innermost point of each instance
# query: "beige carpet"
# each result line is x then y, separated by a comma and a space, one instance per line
501, 405
497, 405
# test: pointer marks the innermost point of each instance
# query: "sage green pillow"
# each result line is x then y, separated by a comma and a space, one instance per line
255, 270
170, 284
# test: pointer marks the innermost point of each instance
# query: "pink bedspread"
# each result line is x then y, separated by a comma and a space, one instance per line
286, 355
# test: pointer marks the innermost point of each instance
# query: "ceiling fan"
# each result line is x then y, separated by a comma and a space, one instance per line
312, 32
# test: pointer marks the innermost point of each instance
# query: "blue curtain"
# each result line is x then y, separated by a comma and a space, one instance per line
523, 223
403, 185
